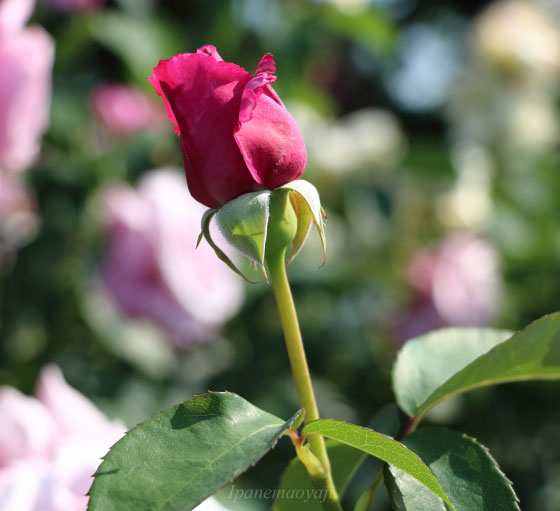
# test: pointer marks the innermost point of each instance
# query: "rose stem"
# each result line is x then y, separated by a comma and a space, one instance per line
280, 212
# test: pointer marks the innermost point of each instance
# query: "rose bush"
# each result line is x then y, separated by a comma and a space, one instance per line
236, 135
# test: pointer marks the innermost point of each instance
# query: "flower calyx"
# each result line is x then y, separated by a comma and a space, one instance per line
263, 223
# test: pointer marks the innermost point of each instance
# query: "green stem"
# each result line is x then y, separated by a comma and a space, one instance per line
374, 487
300, 370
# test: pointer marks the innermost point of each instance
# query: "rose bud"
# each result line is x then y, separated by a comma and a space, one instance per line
236, 135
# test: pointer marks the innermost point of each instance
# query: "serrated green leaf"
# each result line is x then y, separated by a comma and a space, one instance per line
426, 362
466, 470
380, 446
345, 461
310, 196
184, 454
244, 221
531, 354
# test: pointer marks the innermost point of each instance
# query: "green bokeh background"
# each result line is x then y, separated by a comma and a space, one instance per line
334, 61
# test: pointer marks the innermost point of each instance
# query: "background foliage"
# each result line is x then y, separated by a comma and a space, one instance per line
463, 137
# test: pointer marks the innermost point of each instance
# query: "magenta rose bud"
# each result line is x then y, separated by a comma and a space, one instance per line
236, 134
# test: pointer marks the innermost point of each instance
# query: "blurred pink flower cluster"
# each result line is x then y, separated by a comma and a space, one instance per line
457, 283
152, 268
124, 110
50, 445
76, 5
26, 60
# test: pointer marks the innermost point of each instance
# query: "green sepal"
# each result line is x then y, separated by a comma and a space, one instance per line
298, 421
205, 232
307, 205
244, 223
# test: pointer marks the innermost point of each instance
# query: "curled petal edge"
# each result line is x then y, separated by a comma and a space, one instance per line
210, 50
255, 87
157, 86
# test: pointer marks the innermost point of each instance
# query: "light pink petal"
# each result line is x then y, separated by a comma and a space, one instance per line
23, 487
152, 268
466, 282
124, 110
71, 411
26, 61
77, 457
27, 429
14, 14
131, 272
208, 49
203, 285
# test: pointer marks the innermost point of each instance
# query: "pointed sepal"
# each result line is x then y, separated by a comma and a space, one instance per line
244, 223
307, 205
205, 227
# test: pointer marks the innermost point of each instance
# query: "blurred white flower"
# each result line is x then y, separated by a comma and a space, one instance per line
468, 205
507, 95
362, 140
519, 36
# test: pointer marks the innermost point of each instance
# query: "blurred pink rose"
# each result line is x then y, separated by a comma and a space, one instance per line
26, 59
125, 110
152, 268
50, 446
456, 284
76, 5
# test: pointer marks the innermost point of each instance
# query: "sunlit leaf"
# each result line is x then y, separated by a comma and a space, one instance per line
380, 446
465, 469
184, 454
